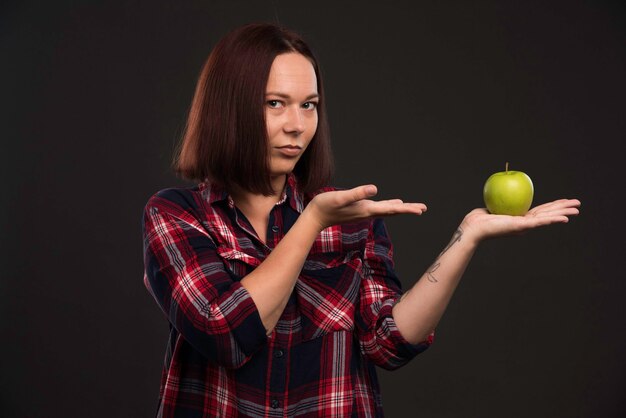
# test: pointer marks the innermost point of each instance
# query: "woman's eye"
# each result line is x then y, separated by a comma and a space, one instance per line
273, 103
310, 105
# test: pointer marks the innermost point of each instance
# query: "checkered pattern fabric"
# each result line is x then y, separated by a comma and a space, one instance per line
319, 361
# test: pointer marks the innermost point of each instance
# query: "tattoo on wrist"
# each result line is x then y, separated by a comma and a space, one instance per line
456, 237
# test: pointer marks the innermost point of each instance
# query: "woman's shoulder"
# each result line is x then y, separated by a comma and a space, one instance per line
177, 199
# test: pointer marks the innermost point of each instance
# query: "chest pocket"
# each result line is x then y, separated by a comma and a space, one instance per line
237, 253
327, 293
237, 262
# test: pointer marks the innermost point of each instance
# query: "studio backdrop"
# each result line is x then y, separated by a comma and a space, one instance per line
425, 100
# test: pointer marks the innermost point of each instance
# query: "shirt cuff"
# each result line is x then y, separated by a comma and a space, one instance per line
404, 348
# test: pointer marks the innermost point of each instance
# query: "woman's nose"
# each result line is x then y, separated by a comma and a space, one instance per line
295, 121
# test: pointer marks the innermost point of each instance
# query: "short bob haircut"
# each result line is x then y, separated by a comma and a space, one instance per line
225, 139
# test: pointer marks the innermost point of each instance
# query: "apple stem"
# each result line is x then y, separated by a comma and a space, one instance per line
506, 168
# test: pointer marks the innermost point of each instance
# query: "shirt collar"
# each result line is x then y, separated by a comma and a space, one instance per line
293, 194
214, 193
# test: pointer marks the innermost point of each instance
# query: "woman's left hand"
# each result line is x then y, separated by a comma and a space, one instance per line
480, 224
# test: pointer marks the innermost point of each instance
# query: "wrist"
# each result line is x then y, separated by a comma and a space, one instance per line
310, 216
470, 234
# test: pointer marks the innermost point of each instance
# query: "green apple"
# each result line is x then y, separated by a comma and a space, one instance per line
508, 192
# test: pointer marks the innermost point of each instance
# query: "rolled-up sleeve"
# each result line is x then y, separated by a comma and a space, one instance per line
379, 337
189, 282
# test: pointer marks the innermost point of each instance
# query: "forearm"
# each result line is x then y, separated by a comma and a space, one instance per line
419, 310
273, 281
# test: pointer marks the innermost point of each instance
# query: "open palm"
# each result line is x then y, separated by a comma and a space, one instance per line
342, 206
485, 225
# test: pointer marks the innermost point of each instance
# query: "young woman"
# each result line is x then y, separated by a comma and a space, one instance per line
279, 290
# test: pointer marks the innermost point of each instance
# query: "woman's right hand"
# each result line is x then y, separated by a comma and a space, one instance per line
343, 206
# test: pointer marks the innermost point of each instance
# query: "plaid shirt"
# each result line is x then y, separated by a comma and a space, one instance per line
319, 359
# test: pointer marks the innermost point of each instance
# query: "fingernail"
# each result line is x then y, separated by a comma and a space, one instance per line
370, 189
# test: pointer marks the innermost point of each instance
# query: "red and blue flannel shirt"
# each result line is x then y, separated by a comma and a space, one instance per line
319, 359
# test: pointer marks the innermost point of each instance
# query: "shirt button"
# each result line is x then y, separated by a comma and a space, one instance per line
275, 228
274, 403
278, 353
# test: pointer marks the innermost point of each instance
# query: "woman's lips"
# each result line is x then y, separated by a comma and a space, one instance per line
289, 150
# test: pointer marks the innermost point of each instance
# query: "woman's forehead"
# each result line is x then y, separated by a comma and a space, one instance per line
292, 73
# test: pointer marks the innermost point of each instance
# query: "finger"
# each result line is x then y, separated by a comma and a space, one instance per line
524, 225
401, 204
361, 192
395, 206
575, 202
547, 205
548, 220
566, 203
557, 210
567, 211
393, 201
556, 204
417, 208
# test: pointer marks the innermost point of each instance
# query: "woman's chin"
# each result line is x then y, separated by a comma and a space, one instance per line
282, 170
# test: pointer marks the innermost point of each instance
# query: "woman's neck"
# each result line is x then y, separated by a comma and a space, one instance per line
257, 207
245, 199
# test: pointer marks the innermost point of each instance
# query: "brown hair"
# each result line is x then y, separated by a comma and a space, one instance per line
225, 138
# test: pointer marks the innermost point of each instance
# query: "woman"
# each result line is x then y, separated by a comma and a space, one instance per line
279, 290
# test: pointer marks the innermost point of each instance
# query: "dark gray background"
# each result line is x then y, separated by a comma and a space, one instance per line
426, 100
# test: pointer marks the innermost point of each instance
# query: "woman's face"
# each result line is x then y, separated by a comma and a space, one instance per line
290, 110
